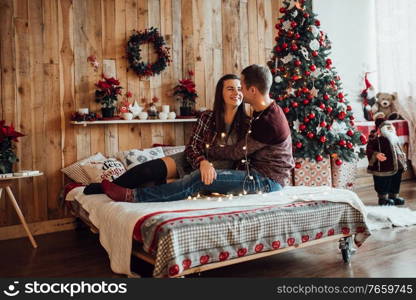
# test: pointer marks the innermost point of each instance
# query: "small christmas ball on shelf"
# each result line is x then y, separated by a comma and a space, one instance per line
338, 162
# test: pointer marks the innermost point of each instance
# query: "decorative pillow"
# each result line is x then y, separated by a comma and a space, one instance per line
134, 157
99, 170
170, 150
76, 172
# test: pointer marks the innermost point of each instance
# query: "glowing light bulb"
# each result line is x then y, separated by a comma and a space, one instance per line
240, 194
243, 161
249, 131
206, 145
250, 177
189, 197
244, 147
222, 134
245, 192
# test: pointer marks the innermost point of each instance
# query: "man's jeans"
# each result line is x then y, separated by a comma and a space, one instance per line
227, 182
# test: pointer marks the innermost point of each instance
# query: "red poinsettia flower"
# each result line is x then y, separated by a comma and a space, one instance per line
9, 132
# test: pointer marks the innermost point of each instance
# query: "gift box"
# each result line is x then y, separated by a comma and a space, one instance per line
312, 173
343, 176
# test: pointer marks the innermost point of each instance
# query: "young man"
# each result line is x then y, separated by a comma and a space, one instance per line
387, 162
265, 154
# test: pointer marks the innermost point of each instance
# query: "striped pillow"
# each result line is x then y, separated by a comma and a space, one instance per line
77, 173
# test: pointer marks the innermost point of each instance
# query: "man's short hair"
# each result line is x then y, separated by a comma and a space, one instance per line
258, 76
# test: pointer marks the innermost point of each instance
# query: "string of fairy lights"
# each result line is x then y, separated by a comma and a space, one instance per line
249, 178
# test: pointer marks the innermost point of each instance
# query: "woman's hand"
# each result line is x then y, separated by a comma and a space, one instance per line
208, 173
381, 157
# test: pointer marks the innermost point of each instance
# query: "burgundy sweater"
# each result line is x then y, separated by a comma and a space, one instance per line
269, 145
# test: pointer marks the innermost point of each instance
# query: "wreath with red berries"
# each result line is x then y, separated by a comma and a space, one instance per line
139, 38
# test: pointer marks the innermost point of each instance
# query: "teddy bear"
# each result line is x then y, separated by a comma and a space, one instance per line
385, 107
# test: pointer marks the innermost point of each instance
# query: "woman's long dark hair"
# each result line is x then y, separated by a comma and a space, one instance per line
240, 121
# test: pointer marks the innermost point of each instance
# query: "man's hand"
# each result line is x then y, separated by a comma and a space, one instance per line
208, 173
381, 157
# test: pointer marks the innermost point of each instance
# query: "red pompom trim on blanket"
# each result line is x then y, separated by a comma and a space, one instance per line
276, 245
204, 259
305, 238
318, 235
291, 241
259, 247
331, 232
223, 255
186, 263
173, 270
345, 230
241, 252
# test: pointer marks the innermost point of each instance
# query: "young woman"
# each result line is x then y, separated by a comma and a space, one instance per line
225, 124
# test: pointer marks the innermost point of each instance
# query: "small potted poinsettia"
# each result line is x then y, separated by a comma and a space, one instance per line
108, 90
7, 154
185, 92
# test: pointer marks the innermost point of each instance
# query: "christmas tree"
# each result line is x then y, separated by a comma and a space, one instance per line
307, 87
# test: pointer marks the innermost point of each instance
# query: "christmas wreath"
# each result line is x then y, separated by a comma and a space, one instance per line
143, 69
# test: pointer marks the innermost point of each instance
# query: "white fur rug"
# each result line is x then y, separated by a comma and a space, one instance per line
379, 217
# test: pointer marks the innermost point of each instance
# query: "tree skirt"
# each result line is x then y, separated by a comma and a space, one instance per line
379, 217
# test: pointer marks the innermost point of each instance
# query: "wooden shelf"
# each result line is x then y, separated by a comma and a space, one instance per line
134, 121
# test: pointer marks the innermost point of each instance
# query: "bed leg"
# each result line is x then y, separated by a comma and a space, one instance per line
347, 249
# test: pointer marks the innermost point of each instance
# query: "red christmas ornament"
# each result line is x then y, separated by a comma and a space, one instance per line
294, 47
315, 53
322, 124
322, 139
329, 61
297, 36
311, 116
349, 108
306, 15
342, 143
340, 95
305, 101
329, 109
302, 127
350, 133
290, 33
319, 158
295, 77
341, 115
309, 96
277, 26
312, 68
311, 135
282, 69
326, 97
297, 93
282, 32
305, 120
322, 106
363, 139
349, 145
305, 90
295, 104
284, 45
293, 24
286, 110
298, 165
352, 118
317, 23
352, 123
332, 82
299, 145
338, 162
278, 49
282, 10
307, 73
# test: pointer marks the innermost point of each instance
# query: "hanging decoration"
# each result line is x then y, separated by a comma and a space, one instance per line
146, 69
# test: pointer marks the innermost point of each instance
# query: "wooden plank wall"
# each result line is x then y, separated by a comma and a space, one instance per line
45, 76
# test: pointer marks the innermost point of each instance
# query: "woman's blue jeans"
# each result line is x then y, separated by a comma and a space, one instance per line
227, 182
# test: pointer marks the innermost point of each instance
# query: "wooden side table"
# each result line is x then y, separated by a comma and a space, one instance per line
5, 184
